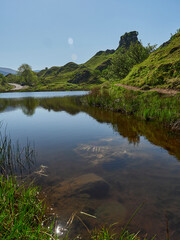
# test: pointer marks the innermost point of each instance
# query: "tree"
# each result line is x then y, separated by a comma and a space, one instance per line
2, 79
138, 53
125, 59
27, 75
121, 64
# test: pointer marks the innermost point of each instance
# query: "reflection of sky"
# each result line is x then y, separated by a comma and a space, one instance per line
42, 94
53, 130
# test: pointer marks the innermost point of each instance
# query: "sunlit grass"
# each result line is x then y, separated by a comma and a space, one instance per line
144, 105
21, 212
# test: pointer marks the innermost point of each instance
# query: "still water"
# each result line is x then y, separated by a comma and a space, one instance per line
98, 162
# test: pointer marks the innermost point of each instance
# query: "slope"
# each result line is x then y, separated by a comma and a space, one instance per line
160, 69
6, 71
87, 75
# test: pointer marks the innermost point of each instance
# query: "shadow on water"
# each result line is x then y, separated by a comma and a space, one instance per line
110, 177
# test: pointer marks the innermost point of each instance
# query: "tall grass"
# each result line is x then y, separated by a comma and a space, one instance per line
144, 105
13, 157
21, 212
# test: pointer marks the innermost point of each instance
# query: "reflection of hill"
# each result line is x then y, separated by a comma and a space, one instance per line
131, 128
28, 105
69, 104
127, 126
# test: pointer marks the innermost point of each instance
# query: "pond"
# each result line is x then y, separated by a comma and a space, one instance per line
98, 162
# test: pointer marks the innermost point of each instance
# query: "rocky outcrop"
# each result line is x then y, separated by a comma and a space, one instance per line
81, 77
127, 39
104, 65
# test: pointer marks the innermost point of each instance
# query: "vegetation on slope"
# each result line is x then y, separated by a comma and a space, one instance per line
3, 83
126, 58
160, 69
131, 63
100, 60
144, 105
74, 76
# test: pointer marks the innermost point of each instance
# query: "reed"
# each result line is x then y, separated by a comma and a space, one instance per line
15, 159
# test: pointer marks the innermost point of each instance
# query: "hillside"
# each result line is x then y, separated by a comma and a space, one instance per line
69, 76
101, 60
6, 71
4, 86
160, 69
73, 75
87, 75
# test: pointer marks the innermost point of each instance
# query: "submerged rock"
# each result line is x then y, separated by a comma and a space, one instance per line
111, 212
91, 184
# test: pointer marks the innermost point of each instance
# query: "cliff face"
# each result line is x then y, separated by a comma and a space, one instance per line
127, 39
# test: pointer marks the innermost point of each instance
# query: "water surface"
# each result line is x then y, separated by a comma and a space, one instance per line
99, 162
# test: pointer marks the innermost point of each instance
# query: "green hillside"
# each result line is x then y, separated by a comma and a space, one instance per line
131, 63
3, 83
101, 60
160, 69
68, 77
74, 76
84, 76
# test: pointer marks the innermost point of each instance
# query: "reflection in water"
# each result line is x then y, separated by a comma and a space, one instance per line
101, 163
127, 126
109, 152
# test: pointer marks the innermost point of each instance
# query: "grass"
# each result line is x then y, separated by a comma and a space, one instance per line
21, 212
98, 59
160, 69
144, 105
13, 158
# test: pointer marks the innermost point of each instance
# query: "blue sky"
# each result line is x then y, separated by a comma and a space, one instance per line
45, 33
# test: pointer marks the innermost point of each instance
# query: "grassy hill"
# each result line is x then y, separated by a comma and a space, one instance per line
101, 60
74, 76
160, 69
83, 76
3, 83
